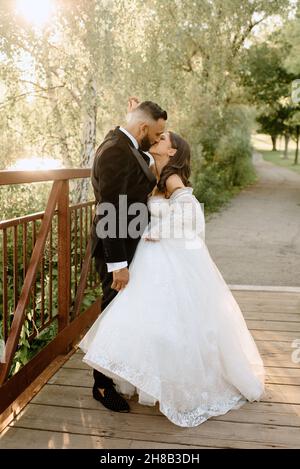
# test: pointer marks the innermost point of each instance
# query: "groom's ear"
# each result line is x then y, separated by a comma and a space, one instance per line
144, 127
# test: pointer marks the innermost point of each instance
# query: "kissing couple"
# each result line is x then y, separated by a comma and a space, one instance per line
170, 329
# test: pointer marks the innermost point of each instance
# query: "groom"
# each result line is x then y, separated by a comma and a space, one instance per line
121, 168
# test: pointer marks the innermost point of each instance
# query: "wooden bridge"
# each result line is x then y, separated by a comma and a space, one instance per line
47, 402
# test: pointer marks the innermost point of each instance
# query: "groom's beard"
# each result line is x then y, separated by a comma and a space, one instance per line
145, 144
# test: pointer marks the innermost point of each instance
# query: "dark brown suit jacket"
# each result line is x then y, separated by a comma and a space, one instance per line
119, 168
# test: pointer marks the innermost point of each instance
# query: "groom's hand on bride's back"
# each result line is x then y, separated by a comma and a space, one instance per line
120, 279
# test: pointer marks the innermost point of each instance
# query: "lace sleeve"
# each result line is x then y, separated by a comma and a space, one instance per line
188, 214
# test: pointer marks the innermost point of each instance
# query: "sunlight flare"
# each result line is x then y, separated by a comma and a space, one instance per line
35, 11
36, 163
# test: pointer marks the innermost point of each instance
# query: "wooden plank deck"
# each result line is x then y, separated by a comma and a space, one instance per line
64, 415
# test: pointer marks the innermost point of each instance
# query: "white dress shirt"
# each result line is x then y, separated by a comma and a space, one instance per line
132, 138
150, 156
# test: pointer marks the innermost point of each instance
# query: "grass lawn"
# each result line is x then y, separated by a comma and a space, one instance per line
276, 157
262, 143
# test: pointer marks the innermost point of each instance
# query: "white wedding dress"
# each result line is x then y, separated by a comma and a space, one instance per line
175, 334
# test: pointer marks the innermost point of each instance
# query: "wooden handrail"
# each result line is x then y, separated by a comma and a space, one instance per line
19, 220
32, 217
22, 177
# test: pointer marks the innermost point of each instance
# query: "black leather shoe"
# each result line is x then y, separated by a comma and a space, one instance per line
110, 398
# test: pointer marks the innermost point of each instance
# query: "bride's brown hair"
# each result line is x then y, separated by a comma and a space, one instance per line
180, 163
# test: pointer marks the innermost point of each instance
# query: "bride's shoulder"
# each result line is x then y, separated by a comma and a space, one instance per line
174, 182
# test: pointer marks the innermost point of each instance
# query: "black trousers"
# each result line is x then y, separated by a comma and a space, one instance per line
108, 295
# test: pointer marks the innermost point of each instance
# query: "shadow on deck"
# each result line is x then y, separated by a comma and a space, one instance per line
64, 414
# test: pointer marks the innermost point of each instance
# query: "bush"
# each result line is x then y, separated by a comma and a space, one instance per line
222, 167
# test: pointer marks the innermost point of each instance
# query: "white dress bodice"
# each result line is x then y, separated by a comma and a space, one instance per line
180, 216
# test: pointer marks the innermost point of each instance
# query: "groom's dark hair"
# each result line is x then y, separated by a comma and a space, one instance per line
153, 110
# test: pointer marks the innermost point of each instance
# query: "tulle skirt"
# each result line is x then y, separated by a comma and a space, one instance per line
175, 335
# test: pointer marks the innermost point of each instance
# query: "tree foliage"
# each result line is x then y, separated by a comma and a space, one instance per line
68, 83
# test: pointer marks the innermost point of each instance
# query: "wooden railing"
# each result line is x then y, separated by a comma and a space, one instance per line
46, 270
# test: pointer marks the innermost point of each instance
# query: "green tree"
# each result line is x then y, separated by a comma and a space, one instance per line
84, 64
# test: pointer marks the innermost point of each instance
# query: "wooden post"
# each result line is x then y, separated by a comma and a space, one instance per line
64, 257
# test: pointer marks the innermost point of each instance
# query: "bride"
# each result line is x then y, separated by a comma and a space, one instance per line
175, 334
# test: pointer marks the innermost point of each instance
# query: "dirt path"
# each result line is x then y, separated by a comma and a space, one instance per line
255, 240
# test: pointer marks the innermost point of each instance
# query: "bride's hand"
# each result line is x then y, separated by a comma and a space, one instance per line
132, 103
